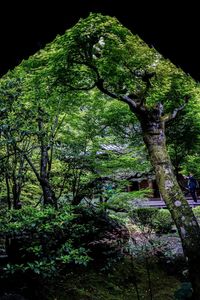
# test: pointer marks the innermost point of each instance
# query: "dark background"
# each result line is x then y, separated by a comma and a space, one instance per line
172, 28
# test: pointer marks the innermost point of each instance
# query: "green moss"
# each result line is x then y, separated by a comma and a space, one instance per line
120, 284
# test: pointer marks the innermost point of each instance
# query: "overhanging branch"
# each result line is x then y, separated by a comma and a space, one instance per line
126, 99
171, 116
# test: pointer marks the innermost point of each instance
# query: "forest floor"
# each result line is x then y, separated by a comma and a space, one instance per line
129, 279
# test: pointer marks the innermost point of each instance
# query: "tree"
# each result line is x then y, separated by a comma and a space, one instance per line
99, 53
58, 148
13, 164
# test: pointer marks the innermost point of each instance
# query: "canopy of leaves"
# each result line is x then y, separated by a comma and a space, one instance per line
62, 81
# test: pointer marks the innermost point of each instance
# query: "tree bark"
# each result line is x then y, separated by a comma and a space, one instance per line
182, 214
48, 193
16, 191
45, 164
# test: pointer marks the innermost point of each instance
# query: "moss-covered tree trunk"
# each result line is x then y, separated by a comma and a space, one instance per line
153, 121
182, 214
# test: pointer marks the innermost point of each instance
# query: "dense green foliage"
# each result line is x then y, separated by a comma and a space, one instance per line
46, 241
48, 104
68, 153
156, 219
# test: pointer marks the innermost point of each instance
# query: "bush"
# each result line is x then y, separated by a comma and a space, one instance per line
156, 219
163, 221
44, 241
144, 216
196, 211
106, 238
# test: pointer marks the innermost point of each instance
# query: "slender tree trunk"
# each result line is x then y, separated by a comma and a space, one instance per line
8, 191
182, 214
16, 190
48, 193
45, 164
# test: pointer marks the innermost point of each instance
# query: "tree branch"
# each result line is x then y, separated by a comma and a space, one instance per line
171, 116
30, 163
145, 76
126, 99
83, 88
99, 83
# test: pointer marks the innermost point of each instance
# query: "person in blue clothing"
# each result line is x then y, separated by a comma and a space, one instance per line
192, 186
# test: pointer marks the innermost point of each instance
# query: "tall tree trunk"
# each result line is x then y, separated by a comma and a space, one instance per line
182, 214
48, 193
45, 164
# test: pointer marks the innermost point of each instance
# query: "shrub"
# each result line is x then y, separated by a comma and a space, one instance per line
144, 216
156, 219
163, 221
106, 238
196, 211
45, 241
42, 240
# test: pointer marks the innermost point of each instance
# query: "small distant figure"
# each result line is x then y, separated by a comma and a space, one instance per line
192, 186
